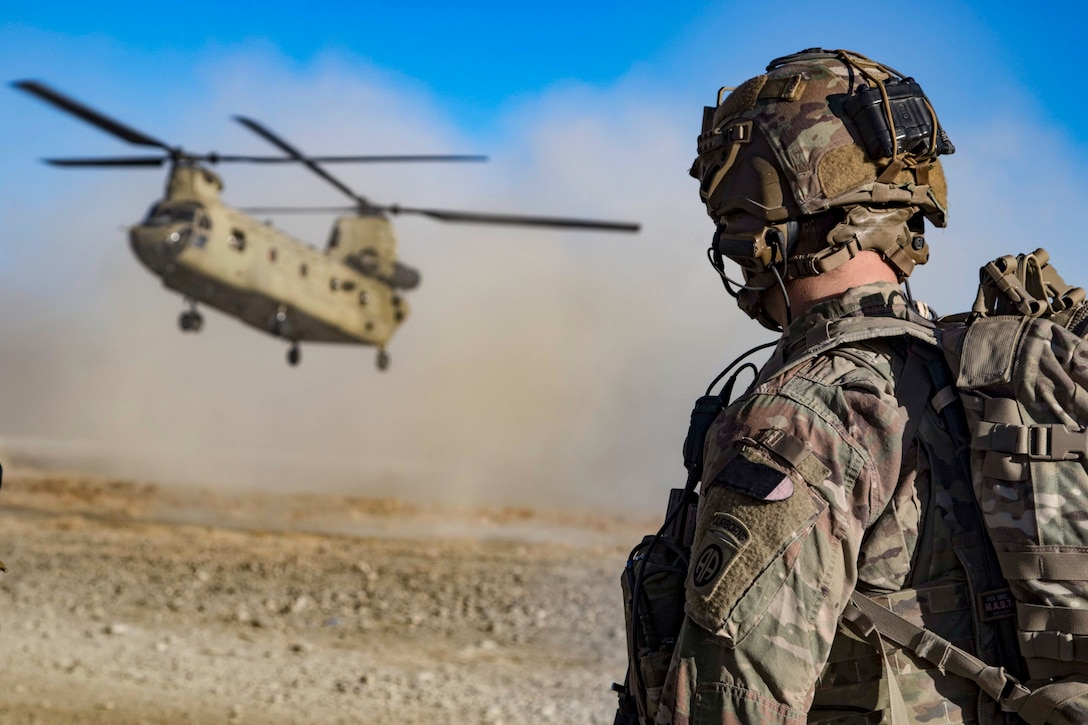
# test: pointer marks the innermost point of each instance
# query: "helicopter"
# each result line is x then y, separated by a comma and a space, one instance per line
351, 292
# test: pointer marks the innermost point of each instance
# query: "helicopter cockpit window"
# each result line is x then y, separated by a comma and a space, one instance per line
167, 214
203, 225
237, 239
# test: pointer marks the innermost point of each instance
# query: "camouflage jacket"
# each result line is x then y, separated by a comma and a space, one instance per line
840, 473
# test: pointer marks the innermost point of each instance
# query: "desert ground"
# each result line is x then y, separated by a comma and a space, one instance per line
130, 602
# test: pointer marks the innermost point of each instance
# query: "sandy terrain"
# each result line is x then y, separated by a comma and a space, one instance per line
131, 603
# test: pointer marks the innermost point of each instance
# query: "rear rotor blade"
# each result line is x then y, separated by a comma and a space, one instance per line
298, 155
517, 219
89, 115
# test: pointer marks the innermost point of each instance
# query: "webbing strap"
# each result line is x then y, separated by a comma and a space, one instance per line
1060, 646
944, 397
994, 681
1037, 618
896, 712
810, 265
1047, 566
739, 134
1056, 702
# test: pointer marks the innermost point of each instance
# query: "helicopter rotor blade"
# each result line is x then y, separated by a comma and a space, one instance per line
456, 216
299, 156
117, 161
516, 219
337, 159
216, 158
297, 209
89, 115
398, 158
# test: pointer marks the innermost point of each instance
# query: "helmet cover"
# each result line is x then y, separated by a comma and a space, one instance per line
819, 131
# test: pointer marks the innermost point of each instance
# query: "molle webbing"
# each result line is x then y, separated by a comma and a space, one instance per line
1023, 378
1024, 285
1047, 565
1053, 639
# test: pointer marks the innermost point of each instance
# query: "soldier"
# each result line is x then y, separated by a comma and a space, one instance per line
841, 469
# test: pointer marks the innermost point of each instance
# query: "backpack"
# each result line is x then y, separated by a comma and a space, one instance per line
1020, 366
1019, 362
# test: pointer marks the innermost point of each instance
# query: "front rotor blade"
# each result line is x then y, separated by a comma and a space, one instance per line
519, 220
89, 115
336, 159
291, 150
110, 161
397, 158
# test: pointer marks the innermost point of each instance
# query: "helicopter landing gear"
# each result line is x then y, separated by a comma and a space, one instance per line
382, 360
190, 321
294, 355
278, 324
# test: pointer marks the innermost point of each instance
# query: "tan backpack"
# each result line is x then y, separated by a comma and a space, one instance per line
1020, 365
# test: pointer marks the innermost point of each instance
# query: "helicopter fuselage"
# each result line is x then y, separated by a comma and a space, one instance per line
228, 260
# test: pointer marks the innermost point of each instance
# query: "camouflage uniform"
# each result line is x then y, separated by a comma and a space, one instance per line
838, 474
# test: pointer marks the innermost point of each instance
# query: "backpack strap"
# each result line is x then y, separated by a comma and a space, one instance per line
842, 331
1052, 703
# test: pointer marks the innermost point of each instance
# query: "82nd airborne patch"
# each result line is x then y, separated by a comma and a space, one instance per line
726, 536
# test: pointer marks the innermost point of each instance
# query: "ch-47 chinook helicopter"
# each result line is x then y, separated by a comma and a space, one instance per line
216, 255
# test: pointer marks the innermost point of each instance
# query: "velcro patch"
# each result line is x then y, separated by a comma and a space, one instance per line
738, 540
755, 479
996, 604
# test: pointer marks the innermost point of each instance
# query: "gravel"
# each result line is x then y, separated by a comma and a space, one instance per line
118, 608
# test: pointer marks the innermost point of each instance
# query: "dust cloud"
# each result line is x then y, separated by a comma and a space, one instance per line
537, 368
529, 372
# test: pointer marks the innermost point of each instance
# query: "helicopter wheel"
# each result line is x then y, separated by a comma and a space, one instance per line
294, 354
190, 321
383, 360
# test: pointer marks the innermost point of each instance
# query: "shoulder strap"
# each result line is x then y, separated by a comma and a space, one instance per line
1047, 704
834, 333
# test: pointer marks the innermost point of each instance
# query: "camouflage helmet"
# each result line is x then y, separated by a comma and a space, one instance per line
828, 145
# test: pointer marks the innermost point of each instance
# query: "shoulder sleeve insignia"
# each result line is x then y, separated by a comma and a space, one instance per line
726, 537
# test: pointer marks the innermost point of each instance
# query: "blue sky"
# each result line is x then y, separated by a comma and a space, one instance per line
478, 56
547, 361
